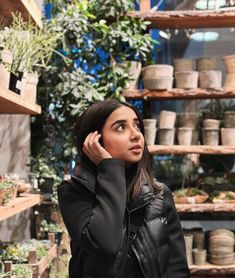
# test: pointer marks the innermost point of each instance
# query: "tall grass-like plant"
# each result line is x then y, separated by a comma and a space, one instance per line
30, 46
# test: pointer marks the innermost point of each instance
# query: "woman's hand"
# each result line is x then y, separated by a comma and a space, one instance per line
93, 149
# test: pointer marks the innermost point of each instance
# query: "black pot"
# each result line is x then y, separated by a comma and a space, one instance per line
15, 82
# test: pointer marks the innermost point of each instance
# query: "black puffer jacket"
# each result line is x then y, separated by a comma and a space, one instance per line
98, 219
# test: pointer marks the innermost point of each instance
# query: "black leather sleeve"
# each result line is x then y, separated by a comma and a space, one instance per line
177, 266
95, 221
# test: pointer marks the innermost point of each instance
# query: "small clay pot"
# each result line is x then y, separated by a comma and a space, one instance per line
186, 79
183, 64
167, 119
227, 136
184, 136
166, 136
207, 63
199, 256
229, 63
210, 79
229, 119
212, 123
210, 136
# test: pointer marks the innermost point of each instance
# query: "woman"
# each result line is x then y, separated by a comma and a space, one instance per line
122, 223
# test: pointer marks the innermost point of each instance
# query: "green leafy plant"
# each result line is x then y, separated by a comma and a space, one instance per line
46, 227
22, 271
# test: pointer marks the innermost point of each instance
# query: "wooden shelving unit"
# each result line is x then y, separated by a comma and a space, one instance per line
199, 149
212, 269
19, 204
206, 207
12, 103
176, 94
188, 19
44, 263
28, 9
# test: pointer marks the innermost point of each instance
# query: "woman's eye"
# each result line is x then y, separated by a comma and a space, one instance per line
120, 127
137, 125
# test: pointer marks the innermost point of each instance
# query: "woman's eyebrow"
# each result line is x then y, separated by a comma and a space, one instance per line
123, 121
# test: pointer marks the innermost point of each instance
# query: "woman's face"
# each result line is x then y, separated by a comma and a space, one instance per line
121, 135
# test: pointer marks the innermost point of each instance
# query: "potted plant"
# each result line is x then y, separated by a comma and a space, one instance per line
31, 49
21, 271
8, 190
50, 227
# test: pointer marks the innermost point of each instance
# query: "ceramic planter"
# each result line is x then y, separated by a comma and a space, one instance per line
150, 130
207, 63
183, 64
229, 63
186, 79
227, 136
166, 136
210, 79
184, 136
167, 119
229, 119
212, 123
199, 240
210, 136
199, 256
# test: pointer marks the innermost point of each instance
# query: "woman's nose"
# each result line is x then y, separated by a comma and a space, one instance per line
135, 134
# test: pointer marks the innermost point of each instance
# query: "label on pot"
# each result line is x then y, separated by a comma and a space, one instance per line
18, 85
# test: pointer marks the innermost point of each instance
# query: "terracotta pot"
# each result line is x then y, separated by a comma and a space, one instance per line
150, 130
186, 79
207, 63
212, 123
184, 136
199, 256
166, 136
210, 136
167, 119
210, 79
221, 232
229, 119
134, 71
155, 71
183, 64
229, 81
222, 259
227, 136
188, 239
229, 63
199, 240
159, 83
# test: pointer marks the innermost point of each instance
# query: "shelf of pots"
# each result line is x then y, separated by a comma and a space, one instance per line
199, 149
212, 269
19, 204
188, 19
206, 207
176, 93
25, 7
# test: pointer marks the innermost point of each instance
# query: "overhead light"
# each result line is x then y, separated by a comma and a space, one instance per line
164, 35
204, 36
209, 4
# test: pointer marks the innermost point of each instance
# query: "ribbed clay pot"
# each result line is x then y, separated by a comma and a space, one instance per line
210, 79
186, 79
159, 83
199, 256
207, 63
183, 64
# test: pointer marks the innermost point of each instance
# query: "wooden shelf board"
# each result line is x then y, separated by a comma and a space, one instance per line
44, 263
199, 149
19, 204
208, 268
188, 19
206, 207
28, 8
179, 94
12, 103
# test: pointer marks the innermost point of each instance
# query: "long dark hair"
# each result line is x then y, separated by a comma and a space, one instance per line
93, 119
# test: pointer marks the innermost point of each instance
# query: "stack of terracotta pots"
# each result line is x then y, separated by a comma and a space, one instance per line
210, 132
150, 129
166, 132
228, 132
187, 132
185, 76
221, 247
